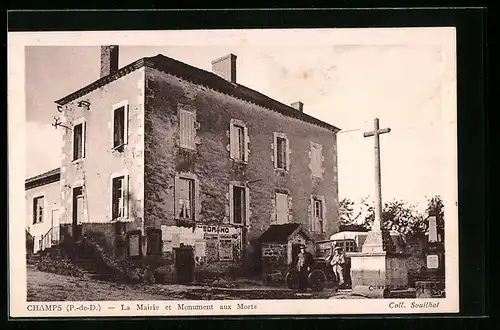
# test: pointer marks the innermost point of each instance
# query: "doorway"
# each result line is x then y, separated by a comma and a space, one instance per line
76, 228
184, 264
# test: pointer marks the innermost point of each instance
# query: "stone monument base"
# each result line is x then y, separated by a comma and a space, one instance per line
379, 272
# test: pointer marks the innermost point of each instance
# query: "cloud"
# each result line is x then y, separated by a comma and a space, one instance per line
43, 148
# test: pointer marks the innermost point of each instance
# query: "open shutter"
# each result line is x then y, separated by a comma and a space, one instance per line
84, 138
125, 123
231, 204
246, 142
233, 141
247, 207
312, 215
177, 209
126, 193
287, 155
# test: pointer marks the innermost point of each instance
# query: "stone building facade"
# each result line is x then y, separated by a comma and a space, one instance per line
158, 155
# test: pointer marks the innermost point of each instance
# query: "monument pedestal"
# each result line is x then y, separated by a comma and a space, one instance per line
380, 267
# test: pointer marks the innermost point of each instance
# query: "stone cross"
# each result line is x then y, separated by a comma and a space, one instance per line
377, 225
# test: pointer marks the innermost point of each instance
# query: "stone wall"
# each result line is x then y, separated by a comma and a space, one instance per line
212, 167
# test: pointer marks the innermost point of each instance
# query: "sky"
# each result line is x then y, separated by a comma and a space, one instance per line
344, 78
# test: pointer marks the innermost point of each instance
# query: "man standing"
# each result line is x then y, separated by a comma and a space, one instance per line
304, 264
337, 261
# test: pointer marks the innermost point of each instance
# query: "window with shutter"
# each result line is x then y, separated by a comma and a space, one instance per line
79, 131
238, 206
281, 208
238, 143
119, 197
120, 125
185, 199
187, 127
317, 215
316, 159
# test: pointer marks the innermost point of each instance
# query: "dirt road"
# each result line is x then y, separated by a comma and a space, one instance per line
52, 287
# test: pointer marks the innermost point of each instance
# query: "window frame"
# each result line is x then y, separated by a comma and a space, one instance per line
191, 196
83, 141
246, 209
286, 152
74, 200
316, 224
126, 110
35, 214
236, 123
126, 194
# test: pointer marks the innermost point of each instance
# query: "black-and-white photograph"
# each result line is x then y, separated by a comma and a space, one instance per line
234, 169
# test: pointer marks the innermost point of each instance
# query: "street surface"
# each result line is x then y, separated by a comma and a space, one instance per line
44, 286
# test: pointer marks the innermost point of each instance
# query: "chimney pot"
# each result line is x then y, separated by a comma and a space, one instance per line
109, 60
298, 105
225, 67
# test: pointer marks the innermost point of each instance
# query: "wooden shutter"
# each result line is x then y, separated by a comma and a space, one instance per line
187, 129
125, 196
84, 138
125, 123
281, 208
245, 144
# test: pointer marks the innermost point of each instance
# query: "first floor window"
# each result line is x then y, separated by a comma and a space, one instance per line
185, 199
239, 205
120, 125
238, 141
318, 215
281, 208
38, 209
79, 141
119, 197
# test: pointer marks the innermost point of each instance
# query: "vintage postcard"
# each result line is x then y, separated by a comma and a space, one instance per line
233, 172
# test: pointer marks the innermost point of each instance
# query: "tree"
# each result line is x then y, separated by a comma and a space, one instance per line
351, 213
399, 216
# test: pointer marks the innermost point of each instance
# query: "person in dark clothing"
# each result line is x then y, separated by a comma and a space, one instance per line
304, 265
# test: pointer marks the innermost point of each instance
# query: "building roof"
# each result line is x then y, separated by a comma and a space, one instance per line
281, 233
42, 179
200, 77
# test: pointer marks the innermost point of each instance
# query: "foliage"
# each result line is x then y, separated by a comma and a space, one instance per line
353, 213
397, 215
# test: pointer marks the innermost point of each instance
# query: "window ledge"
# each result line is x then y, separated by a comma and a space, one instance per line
188, 148
119, 148
239, 161
77, 161
122, 219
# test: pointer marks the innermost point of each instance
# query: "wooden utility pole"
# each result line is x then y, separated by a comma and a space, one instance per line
377, 224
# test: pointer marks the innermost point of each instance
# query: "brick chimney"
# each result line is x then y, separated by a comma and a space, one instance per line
109, 60
298, 105
225, 67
